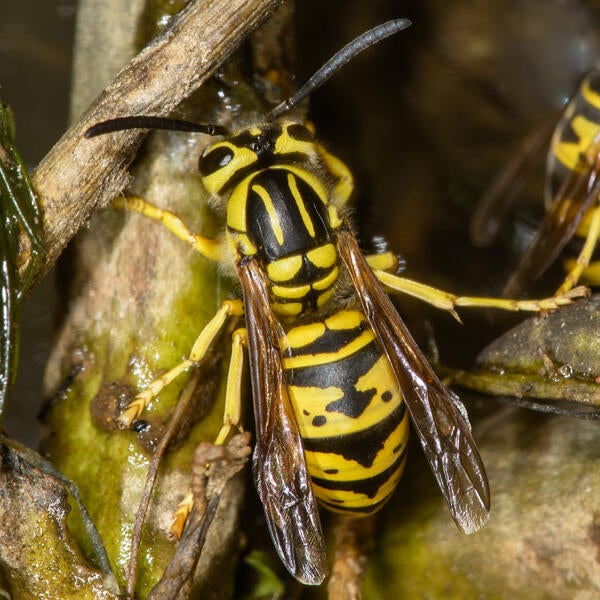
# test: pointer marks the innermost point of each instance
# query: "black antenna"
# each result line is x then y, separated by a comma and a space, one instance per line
339, 59
146, 122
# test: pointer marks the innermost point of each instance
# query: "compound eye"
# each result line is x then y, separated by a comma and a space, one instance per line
300, 133
214, 160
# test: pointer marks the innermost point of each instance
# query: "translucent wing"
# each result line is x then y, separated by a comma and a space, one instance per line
282, 479
571, 183
577, 193
438, 416
504, 190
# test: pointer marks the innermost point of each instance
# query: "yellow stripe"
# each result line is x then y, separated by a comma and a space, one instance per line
310, 227
324, 298
323, 256
327, 281
310, 401
324, 358
311, 180
293, 293
275, 224
284, 269
569, 153
349, 470
287, 309
305, 334
590, 96
345, 319
236, 207
355, 499
586, 131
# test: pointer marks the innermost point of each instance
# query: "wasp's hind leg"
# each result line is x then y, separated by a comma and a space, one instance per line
197, 353
447, 301
579, 267
231, 418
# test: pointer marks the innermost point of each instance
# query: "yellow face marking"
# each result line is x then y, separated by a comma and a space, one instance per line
284, 269
294, 292
308, 360
285, 144
275, 224
327, 281
242, 157
323, 256
308, 224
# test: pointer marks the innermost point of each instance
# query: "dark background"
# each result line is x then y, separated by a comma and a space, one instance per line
36, 39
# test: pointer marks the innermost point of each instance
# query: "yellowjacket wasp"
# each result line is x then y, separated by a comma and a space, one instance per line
333, 367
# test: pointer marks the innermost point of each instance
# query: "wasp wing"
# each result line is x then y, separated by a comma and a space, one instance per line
438, 416
280, 471
577, 193
503, 191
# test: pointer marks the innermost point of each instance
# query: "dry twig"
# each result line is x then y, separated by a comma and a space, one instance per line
79, 175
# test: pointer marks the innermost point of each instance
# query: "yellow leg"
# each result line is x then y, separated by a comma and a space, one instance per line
211, 249
583, 260
233, 394
231, 418
449, 302
182, 512
199, 350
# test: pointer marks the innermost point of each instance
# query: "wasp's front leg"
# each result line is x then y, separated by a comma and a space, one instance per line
198, 352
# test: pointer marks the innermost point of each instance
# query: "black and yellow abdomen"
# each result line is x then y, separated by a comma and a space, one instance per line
349, 410
577, 129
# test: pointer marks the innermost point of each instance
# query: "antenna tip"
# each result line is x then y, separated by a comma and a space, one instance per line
400, 24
